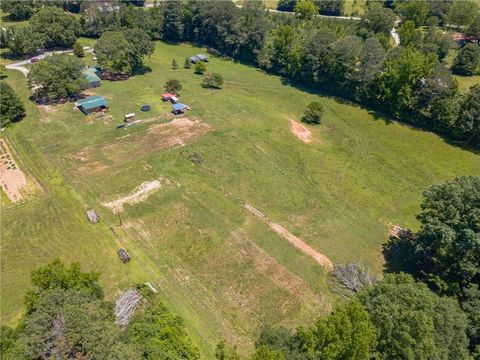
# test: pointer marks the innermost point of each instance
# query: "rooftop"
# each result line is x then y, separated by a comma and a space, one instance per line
92, 102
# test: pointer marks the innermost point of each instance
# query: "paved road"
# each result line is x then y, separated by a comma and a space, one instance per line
20, 65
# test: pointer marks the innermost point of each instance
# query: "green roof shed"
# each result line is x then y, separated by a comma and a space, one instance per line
92, 104
90, 74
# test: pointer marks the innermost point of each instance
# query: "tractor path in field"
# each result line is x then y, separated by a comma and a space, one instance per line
295, 241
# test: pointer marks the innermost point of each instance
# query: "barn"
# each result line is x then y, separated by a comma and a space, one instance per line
92, 104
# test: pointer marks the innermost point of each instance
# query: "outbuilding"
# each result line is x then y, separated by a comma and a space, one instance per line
194, 59
198, 57
168, 96
91, 76
202, 57
179, 108
129, 117
92, 104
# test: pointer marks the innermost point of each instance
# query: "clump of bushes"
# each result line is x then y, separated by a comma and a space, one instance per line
313, 113
173, 86
212, 80
200, 68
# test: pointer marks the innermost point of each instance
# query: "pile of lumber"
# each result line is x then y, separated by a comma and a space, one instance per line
125, 306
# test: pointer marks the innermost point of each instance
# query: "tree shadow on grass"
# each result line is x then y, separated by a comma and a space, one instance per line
379, 115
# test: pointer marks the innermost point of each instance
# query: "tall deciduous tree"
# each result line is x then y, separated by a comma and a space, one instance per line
17, 9
306, 9
393, 88
57, 77
379, 20
122, 52
58, 28
173, 17
347, 333
436, 99
468, 122
415, 10
462, 12
413, 323
11, 107
467, 61
25, 41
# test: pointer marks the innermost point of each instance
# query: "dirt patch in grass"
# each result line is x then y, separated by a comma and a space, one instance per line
300, 131
292, 239
14, 182
97, 158
140, 194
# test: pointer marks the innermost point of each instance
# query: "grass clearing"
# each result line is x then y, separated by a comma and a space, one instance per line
223, 270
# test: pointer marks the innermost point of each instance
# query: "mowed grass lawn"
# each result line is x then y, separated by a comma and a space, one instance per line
224, 271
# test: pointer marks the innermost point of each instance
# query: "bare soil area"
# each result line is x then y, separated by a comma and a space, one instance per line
141, 193
295, 241
177, 133
13, 181
300, 131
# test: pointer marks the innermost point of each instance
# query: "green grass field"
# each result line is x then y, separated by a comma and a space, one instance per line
222, 269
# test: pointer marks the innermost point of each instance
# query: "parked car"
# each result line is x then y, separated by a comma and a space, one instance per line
122, 254
35, 59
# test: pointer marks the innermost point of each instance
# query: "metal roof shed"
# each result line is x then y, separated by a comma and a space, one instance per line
92, 78
179, 108
194, 59
92, 104
202, 57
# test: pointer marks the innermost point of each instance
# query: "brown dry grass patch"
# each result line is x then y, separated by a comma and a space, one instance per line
179, 132
16, 185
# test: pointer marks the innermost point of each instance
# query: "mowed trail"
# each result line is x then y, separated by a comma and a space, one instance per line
295, 241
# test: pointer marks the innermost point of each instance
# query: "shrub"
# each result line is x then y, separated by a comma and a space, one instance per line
212, 80
174, 64
313, 113
187, 64
78, 50
200, 68
173, 86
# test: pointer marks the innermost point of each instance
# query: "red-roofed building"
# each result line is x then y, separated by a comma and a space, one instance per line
168, 97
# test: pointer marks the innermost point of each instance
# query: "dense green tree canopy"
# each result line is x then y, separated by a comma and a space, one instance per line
414, 10
59, 29
448, 243
379, 20
347, 333
394, 86
122, 52
467, 124
306, 9
462, 12
17, 9
11, 107
467, 61
57, 77
25, 41
68, 318
413, 323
